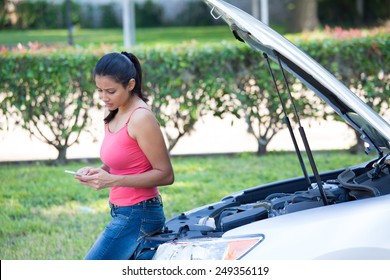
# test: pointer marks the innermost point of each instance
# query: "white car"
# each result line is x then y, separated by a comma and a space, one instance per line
342, 214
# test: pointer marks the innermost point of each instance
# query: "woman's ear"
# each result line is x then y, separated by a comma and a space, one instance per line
131, 85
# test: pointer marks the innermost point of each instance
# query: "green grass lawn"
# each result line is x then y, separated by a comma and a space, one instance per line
46, 214
144, 36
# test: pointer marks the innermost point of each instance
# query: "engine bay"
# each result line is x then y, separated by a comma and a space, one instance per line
271, 200
280, 198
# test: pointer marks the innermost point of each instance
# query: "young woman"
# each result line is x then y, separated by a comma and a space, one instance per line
135, 160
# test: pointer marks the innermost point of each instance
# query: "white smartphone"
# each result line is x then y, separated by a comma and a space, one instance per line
73, 173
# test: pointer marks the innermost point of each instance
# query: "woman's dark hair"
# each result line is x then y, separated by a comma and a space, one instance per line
122, 67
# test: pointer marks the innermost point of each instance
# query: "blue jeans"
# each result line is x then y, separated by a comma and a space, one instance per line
127, 229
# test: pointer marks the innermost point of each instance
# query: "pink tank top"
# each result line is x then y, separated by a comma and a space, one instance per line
121, 153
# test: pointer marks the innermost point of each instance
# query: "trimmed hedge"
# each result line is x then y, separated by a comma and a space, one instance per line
52, 90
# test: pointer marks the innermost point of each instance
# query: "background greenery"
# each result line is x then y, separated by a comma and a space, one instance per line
39, 14
97, 37
49, 90
46, 14
47, 215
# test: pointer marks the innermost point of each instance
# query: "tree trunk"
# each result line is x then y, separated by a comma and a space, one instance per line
359, 147
360, 11
61, 158
69, 22
360, 8
305, 17
261, 147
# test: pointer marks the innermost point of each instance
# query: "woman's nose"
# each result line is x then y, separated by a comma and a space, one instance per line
104, 96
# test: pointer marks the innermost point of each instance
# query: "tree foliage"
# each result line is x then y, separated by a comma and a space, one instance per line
49, 94
360, 62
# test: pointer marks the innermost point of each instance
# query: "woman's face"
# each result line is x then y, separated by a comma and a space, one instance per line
112, 93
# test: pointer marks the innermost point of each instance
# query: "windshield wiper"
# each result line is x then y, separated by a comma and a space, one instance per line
301, 132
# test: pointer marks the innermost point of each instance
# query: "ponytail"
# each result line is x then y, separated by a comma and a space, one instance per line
138, 76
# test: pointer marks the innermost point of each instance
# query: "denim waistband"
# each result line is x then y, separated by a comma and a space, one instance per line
156, 199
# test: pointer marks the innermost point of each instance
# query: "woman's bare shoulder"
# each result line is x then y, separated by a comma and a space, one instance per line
142, 114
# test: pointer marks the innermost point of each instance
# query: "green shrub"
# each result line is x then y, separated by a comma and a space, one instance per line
51, 93
54, 88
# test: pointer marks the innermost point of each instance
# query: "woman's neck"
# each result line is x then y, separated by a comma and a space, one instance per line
132, 102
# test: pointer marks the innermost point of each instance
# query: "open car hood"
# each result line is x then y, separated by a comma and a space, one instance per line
375, 131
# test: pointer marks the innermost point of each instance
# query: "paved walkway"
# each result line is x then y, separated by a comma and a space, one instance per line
212, 135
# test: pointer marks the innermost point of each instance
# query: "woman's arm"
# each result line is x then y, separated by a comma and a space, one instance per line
86, 170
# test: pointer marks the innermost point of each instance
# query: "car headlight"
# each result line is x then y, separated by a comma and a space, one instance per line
208, 249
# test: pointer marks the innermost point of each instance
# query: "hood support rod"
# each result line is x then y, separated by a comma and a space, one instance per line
304, 139
288, 123
301, 131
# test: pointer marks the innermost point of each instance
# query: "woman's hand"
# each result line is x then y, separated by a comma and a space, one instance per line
95, 178
84, 170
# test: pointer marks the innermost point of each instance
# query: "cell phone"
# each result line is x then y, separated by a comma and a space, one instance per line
73, 173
